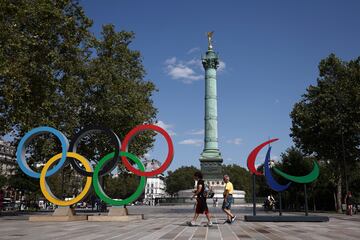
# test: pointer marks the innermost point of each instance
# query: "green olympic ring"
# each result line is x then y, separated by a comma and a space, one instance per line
100, 192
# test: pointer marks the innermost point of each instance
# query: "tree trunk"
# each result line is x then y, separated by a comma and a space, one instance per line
338, 194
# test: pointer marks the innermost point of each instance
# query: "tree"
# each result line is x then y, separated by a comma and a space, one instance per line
326, 121
54, 72
42, 57
116, 189
294, 162
115, 94
181, 179
28, 186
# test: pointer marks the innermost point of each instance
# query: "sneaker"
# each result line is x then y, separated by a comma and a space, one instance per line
190, 223
233, 218
209, 224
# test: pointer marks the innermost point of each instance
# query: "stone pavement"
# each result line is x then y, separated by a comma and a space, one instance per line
169, 223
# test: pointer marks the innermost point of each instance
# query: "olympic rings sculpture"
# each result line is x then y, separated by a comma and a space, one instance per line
273, 184
105, 165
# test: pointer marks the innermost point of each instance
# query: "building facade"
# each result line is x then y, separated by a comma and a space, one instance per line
7, 159
155, 186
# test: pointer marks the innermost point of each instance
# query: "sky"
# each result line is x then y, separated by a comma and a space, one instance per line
269, 53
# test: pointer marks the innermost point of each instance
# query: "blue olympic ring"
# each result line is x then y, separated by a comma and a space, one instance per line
21, 150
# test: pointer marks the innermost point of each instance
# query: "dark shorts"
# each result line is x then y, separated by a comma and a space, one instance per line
201, 206
227, 204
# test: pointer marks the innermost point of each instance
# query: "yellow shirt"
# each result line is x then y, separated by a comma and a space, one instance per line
229, 187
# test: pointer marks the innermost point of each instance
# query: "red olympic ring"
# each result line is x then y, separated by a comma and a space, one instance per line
130, 135
252, 157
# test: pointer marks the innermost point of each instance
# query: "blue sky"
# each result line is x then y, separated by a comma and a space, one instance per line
269, 54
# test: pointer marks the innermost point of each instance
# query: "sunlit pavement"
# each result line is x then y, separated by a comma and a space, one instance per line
169, 223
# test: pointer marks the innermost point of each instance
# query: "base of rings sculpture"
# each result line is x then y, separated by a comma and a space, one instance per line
61, 214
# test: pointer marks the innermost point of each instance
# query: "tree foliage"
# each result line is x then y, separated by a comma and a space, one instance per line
55, 72
295, 163
23, 183
326, 121
42, 57
181, 179
114, 92
116, 189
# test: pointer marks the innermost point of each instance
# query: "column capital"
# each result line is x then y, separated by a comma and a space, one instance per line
210, 63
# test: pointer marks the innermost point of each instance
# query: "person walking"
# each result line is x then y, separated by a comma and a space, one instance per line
228, 199
201, 205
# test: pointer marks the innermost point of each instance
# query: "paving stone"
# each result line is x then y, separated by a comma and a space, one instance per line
169, 223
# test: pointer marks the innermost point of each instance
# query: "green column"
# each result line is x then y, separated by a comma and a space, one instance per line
210, 158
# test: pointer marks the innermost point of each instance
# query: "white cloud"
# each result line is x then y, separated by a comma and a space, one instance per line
194, 142
195, 63
167, 127
187, 71
196, 132
183, 71
236, 141
147, 155
222, 66
192, 50
170, 61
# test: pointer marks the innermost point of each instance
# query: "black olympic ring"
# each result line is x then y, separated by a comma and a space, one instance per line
111, 165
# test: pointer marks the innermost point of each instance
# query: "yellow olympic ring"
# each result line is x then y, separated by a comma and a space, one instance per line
45, 189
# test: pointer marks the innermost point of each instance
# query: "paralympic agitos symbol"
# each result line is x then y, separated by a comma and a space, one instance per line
273, 184
106, 164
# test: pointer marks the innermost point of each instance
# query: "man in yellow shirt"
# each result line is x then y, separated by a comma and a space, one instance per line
228, 199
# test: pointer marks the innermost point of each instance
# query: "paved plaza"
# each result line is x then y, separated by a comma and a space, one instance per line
169, 223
